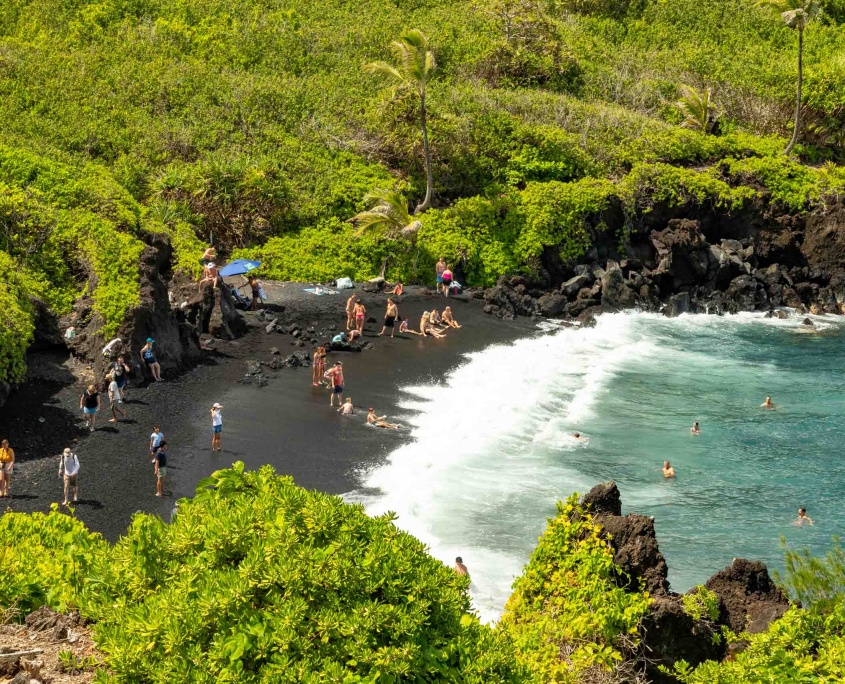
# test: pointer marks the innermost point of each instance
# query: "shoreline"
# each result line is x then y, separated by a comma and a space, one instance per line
287, 423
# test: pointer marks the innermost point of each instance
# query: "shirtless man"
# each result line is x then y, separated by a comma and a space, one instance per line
449, 319
210, 275
350, 311
695, 430
803, 518
768, 404
460, 568
335, 375
668, 470
438, 272
390, 317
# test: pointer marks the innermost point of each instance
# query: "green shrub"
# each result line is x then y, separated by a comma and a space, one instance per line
567, 615
701, 603
815, 582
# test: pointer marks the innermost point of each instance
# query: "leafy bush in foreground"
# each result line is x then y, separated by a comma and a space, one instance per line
258, 580
567, 616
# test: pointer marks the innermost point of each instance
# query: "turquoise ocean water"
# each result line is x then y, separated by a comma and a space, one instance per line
493, 451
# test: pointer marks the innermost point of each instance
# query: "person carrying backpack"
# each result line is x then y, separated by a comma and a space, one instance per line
69, 470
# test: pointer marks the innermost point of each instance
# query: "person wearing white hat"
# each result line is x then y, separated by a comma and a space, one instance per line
69, 470
216, 426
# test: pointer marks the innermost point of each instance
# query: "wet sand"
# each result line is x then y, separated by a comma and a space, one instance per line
287, 424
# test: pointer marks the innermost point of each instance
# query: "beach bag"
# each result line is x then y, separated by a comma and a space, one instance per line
344, 284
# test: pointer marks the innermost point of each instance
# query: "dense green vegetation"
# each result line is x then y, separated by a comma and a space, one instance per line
255, 123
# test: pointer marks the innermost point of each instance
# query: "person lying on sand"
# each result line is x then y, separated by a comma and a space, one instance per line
449, 319
668, 470
379, 421
768, 404
803, 518
347, 409
695, 429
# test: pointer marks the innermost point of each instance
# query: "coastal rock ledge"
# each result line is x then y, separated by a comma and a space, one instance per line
748, 599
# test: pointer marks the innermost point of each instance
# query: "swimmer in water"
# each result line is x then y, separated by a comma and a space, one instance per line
768, 404
803, 518
695, 429
460, 568
577, 435
668, 470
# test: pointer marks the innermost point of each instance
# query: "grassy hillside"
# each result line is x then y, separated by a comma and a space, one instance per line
252, 121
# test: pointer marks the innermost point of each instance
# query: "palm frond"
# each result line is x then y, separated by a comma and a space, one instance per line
696, 107
384, 69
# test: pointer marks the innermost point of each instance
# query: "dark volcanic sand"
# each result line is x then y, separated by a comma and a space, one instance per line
287, 424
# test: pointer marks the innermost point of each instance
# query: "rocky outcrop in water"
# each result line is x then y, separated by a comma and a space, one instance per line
691, 260
748, 599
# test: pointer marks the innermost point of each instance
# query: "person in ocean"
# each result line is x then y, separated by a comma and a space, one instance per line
350, 311
379, 421
768, 404
579, 437
668, 470
695, 429
803, 518
460, 568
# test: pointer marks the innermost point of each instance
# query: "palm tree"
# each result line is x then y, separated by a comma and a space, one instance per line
796, 14
389, 214
415, 70
697, 109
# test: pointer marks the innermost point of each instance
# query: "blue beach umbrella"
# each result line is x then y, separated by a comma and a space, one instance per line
239, 267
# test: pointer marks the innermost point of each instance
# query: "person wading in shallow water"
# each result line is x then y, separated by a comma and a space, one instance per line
335, 375
7, 464
460, 568
216, 427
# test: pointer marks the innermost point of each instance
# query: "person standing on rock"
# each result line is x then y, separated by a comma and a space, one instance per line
69, 471
7, 464
161, 468
216, 427
335, 375
148, 356
350, 311
209, 256
438, 273
89, 402
390, 317
156, 439
115, 400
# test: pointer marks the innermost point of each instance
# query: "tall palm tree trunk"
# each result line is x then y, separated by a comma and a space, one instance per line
796, 131
429, 177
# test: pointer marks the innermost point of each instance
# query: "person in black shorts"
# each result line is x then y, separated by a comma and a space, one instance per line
390, 317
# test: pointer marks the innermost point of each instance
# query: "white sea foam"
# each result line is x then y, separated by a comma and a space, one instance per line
488, 458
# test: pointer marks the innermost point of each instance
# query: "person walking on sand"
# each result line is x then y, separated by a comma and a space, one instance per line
360, 312
216, 426
156, 438
319, 366
120, 371
148, 356
449, 319
350, 311
335, 375
668, 470
380, 421
115, 400
803, 518
69, 471
439, 267
7, 465
347, 409
89, 402
460, 568
390, 317
768, 404
161, 468
695, 429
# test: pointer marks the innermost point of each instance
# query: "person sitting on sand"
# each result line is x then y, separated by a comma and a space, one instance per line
209, 275
803, 518
347, 409
695, 429
403, 325
390, 317
460, 568
768, 404
428, 329
449, 319
350, 311
319, 366
398, 289
668, 470
379, 421
435, 319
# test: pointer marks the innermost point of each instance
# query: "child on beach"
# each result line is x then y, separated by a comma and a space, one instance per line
7, 464
156, 439
379, 421
347, 409
216, 426
161, 468
115, 399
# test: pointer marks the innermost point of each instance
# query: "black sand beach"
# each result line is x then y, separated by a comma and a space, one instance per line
287, 424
